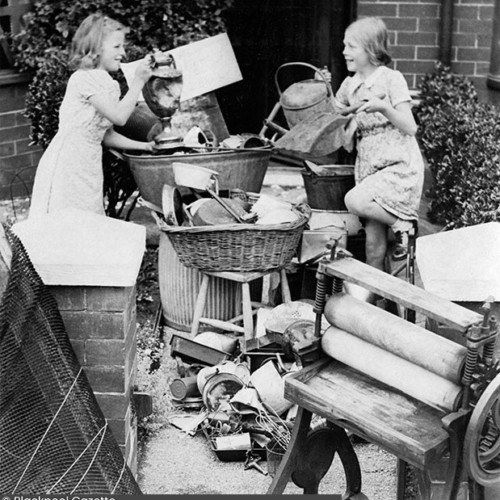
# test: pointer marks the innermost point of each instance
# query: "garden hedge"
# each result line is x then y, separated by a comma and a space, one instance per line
460, 137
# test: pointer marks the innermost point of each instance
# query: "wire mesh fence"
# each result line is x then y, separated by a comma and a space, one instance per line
53, 435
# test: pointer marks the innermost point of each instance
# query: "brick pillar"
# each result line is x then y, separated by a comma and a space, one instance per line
101, 324
18, 158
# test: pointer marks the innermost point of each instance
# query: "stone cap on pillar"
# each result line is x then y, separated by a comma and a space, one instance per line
461, 264
78, 248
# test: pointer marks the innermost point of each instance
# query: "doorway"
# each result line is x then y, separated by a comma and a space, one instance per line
268, 33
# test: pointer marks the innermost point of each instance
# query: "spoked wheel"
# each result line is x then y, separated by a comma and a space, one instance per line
482, 438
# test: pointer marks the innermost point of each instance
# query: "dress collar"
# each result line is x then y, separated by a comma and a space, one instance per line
369, 82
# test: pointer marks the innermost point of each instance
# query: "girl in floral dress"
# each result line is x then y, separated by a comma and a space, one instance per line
70, 171
389, 166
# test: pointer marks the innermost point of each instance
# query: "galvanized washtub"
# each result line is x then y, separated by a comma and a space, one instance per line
237, 168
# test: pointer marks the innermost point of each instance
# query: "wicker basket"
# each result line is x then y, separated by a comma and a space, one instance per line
238, 247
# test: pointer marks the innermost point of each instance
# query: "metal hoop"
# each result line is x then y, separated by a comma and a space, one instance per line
482, 438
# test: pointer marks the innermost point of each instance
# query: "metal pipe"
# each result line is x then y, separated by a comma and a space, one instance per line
446, 32
493, 78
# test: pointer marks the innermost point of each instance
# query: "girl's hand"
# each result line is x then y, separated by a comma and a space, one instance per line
348, 110
373, 105
144, 70
323, 73
151, 147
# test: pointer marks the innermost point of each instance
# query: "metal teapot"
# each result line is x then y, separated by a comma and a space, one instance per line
162, 95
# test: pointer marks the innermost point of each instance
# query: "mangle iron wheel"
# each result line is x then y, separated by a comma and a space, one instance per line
482, 438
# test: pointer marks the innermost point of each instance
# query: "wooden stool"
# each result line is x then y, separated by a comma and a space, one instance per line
249, 307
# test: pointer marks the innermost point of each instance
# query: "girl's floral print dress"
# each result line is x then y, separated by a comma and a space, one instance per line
388, 164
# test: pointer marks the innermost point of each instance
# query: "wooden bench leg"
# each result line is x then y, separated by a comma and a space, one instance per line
293, 452
247, 311
285, 289
200, 305
266, 288
316, 459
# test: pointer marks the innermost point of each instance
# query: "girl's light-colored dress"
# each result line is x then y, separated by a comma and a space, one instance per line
388, 164
70, 171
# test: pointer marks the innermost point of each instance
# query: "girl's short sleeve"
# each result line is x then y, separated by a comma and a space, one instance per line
92, 82
398, 88
342, 95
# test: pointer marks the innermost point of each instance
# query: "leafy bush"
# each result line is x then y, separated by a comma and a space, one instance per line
152, 24
460, 137
45, 94
43, 48
156, 370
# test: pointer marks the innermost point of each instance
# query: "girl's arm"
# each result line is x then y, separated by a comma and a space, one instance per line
113, 139
400, 115
119, 113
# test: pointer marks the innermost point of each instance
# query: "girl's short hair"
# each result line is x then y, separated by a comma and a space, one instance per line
87, 41
371, 33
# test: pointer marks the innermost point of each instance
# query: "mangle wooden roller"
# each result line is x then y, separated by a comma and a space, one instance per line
425, 399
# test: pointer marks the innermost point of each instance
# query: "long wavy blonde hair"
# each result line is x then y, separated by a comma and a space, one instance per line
87, 41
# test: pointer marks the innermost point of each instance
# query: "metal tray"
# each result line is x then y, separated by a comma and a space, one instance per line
190, 351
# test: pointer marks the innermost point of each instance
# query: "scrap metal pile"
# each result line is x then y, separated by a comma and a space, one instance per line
238, 400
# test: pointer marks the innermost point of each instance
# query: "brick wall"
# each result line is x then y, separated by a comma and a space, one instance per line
415, 27
18, 160
101, 324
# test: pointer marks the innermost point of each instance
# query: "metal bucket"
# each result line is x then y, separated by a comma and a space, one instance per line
306, 98
327, 191
219, 388
179, 287
243, 169
339, 218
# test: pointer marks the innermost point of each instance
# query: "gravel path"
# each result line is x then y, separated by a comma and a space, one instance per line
174, 463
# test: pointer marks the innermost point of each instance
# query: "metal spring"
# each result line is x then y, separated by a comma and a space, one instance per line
320, 298
338, 284
470, 365
488, 352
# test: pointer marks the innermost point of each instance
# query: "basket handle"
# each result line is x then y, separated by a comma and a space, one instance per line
307, 65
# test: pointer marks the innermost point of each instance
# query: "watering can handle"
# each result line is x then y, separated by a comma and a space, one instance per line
307, 65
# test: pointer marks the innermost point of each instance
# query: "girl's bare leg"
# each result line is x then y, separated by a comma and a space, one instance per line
375, 248
361, 203
376, 243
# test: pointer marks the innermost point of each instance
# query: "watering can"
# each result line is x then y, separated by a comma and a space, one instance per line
304, 99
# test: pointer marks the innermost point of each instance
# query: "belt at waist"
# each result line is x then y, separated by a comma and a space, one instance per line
373, 130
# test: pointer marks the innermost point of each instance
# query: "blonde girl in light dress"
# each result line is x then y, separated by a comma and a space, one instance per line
70, 171
389, 167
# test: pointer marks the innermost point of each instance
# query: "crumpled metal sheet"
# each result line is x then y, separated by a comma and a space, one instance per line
319, 135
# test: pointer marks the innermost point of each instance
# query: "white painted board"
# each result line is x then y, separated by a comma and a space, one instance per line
462, 264
206, 65
78, 248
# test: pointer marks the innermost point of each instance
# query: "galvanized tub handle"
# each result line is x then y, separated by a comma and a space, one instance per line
117, 154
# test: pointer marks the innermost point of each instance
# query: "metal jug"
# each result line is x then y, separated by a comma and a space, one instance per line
306, 98
162, 95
